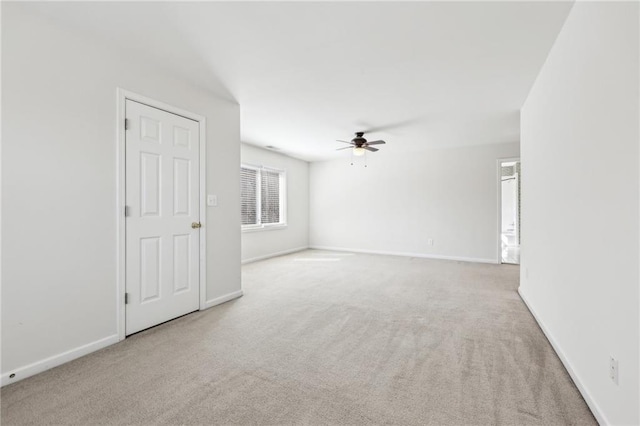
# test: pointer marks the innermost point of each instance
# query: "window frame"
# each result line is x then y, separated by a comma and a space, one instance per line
282, 187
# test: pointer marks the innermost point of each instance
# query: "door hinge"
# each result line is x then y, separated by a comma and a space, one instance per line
126, 298
126, 211
126, 124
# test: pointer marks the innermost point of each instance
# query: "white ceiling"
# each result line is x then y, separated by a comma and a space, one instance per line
418, 74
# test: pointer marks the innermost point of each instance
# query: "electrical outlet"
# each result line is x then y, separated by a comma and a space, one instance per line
430, 241
613, 370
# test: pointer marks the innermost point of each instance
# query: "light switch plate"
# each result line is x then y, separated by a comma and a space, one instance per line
212, 200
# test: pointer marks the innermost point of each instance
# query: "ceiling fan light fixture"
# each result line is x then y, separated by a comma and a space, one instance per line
358, 151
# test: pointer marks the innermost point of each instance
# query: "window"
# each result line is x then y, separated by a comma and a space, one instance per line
263, 197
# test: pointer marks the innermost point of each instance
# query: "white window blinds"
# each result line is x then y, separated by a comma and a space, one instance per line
270, 197
248, 191
262, 193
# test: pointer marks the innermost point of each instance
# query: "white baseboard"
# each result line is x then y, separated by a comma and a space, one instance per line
593, 406
56, 360
406, 254
219, 300
270, 255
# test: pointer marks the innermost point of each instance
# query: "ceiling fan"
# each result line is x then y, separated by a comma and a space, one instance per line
359, 144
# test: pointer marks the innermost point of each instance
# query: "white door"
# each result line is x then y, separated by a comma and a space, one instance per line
162, 218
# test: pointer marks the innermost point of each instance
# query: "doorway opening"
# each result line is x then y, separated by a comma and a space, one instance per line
509, 212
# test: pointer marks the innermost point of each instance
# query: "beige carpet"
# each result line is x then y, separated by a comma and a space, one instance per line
325, 338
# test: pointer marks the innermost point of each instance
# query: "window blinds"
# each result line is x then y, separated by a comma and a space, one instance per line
260, 196
270, 197
248, 188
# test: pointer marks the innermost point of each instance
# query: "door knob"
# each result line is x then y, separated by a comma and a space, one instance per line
196, 225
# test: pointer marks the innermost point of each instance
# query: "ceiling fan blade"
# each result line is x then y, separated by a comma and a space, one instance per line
376, 143
368, 148
338, 140
391, 126
346, 147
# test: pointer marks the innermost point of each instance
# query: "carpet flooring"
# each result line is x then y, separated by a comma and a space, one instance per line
325, 338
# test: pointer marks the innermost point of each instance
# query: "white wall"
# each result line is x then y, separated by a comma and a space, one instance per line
579, 270
401, 200
59, 186
266, 243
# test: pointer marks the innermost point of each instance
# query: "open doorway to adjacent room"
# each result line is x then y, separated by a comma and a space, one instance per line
509, 212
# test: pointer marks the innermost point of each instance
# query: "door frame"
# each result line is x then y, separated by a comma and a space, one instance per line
122, 96
499, 162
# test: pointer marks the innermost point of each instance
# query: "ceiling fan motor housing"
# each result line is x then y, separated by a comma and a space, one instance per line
359, 140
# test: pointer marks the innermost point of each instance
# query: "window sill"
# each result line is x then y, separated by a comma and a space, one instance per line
264, 228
